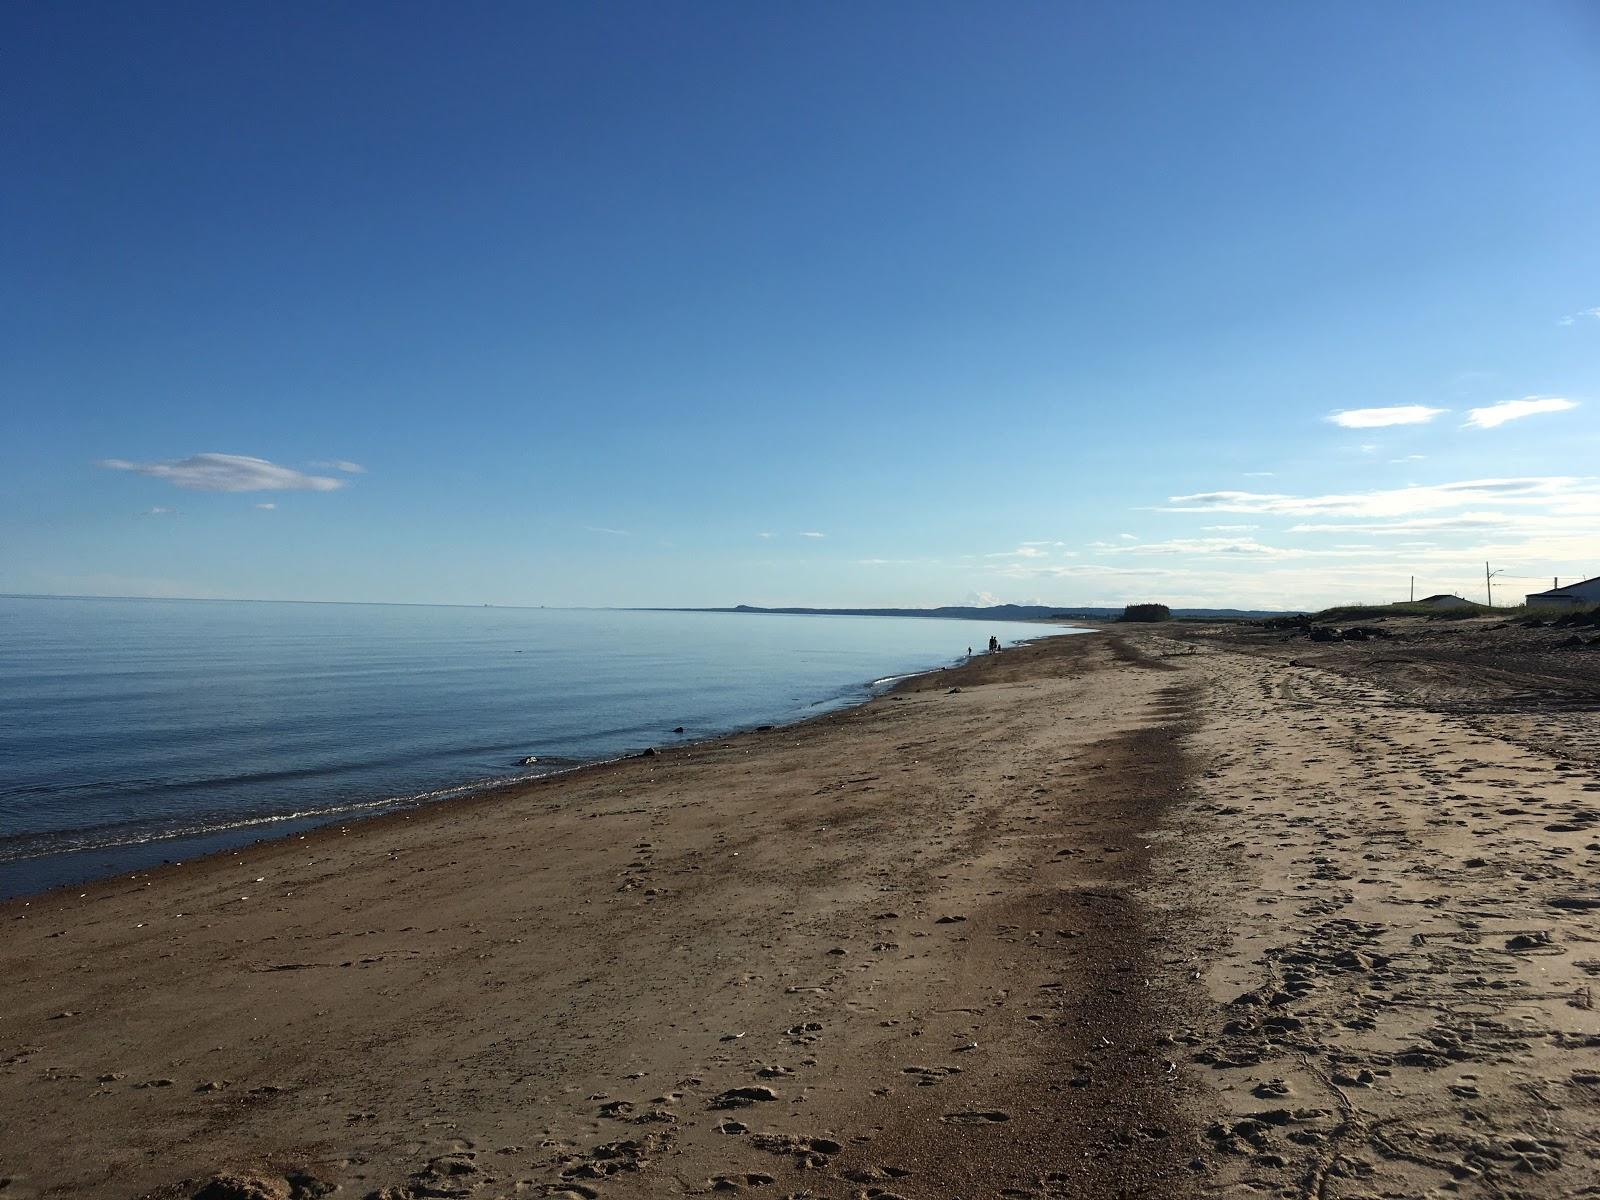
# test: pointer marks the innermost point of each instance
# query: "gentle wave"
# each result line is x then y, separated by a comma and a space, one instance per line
25, 846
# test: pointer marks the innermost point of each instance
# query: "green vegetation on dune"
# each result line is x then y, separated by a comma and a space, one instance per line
1376, 612
1342, 614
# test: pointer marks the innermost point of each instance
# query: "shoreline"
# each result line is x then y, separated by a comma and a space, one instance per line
616, 897
1175, 912
141, 858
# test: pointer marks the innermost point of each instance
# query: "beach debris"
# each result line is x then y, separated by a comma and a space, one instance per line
1534, 940
530, 760
1579, 903
737, 1183
742, 1097
677, 729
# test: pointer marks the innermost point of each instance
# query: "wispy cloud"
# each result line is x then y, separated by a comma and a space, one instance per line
1462, 523
1026, 550
158, 511
1376, 418
609, 532
1591, 314
1515, 410
1222, 549
1229, 528
1259, 474
227, 473
811, 533
269, 506
766, 535
341, 464
1394, 502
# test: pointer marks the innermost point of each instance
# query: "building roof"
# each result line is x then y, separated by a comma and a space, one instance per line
1571, 587
1443, 596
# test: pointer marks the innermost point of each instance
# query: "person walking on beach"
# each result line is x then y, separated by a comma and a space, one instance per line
994, 644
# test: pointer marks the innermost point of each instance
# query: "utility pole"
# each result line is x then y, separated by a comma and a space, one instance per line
1413, 589
1488, 582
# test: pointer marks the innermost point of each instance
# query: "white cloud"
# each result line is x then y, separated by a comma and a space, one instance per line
1514, 410
1228, 528
1464, 523
1026, 550
268, 506
765, 535
610, 532
158, 511
228, 473
1223, 549
1396, 502
1409, 458
1592, 314
1128, 537
981, 600
342, 464
1375, 418
1259, 474
813, 534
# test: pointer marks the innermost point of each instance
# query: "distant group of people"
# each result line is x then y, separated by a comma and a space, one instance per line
994, 646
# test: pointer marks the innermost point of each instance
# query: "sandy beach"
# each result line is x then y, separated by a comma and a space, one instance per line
1180, 911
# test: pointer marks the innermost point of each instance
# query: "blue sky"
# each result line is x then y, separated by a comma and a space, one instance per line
814, 304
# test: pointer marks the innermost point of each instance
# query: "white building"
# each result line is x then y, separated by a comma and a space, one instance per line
1574, 595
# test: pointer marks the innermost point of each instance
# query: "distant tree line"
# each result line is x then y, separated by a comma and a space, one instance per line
1146, 612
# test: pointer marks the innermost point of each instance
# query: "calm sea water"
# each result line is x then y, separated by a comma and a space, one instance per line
133, 731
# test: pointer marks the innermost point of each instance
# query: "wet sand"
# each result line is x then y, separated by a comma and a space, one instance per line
1152, 912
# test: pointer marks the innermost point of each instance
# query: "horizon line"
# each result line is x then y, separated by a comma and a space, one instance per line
787, 609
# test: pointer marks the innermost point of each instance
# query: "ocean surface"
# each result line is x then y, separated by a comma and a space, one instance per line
138, 731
